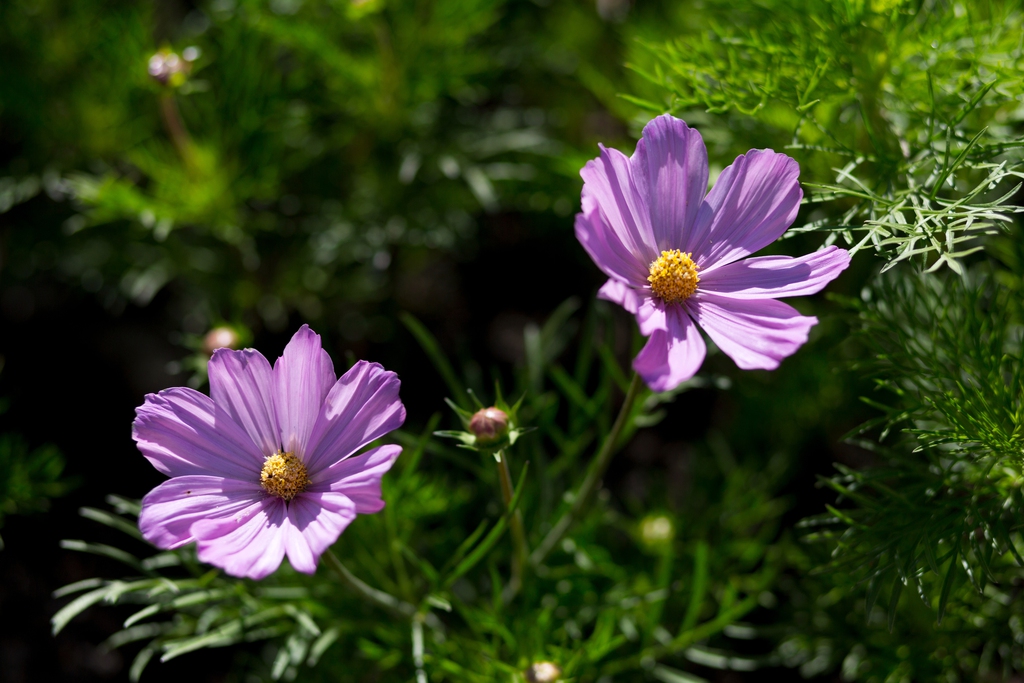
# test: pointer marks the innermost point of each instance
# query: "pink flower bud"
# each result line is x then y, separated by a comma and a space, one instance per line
167, 67
543, 672
488, 425
220, 338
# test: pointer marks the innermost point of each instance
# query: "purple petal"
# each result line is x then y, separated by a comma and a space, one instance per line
303, 376
752, 203
359, 478
652, 315
770, 277
621, 294
609, 254
755, 333
180, 432
242, 385
671, 357
362, 406
611, 188
248, 544
673, 158
169, 510
316, 520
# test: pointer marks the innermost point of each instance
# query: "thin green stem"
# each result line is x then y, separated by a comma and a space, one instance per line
521, 550
176, 129
378, 597
396, 555
593, 478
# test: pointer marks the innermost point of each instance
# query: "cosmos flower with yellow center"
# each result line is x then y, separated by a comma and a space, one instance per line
676, 255
265, 466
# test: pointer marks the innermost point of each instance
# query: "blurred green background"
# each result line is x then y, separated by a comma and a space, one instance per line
167, 168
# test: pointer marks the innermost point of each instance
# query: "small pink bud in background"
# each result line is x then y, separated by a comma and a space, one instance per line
167, 67
220, 338
543, 672
488, 425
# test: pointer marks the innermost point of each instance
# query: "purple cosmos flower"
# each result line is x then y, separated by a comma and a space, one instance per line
263, 467
673, 255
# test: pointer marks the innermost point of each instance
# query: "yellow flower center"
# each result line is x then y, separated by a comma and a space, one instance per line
283, 475
673, 276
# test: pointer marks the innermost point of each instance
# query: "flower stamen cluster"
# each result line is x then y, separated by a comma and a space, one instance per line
674, 276
284, 475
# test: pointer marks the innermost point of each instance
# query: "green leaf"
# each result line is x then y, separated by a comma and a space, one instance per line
76, 607
698, 587
84, 584
106, 551
465, 546
143, 613
320, 645
140, 662
83, 602
669, 675
947, 583
225, 635
131, 635
113, 521
894, 599
485, 545
874, 587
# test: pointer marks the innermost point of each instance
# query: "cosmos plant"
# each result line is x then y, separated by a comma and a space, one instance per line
514, 557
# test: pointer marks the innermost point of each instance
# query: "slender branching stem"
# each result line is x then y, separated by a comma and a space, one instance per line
378, 597
594, 473
521, 550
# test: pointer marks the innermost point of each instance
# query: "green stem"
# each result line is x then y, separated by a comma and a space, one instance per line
396, 555
378, 597
522, 550
176, 129
593, 478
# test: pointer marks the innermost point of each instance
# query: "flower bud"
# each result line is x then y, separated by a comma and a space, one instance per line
657, 530
166, 67
219, 338
543, 672
488, 425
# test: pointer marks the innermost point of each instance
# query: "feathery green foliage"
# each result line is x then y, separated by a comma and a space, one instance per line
910, 107
906, 118
302, 153
949, 352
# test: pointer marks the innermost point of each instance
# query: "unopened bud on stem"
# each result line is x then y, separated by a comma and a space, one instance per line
169, 68
488, 425
543, 672
219, 338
